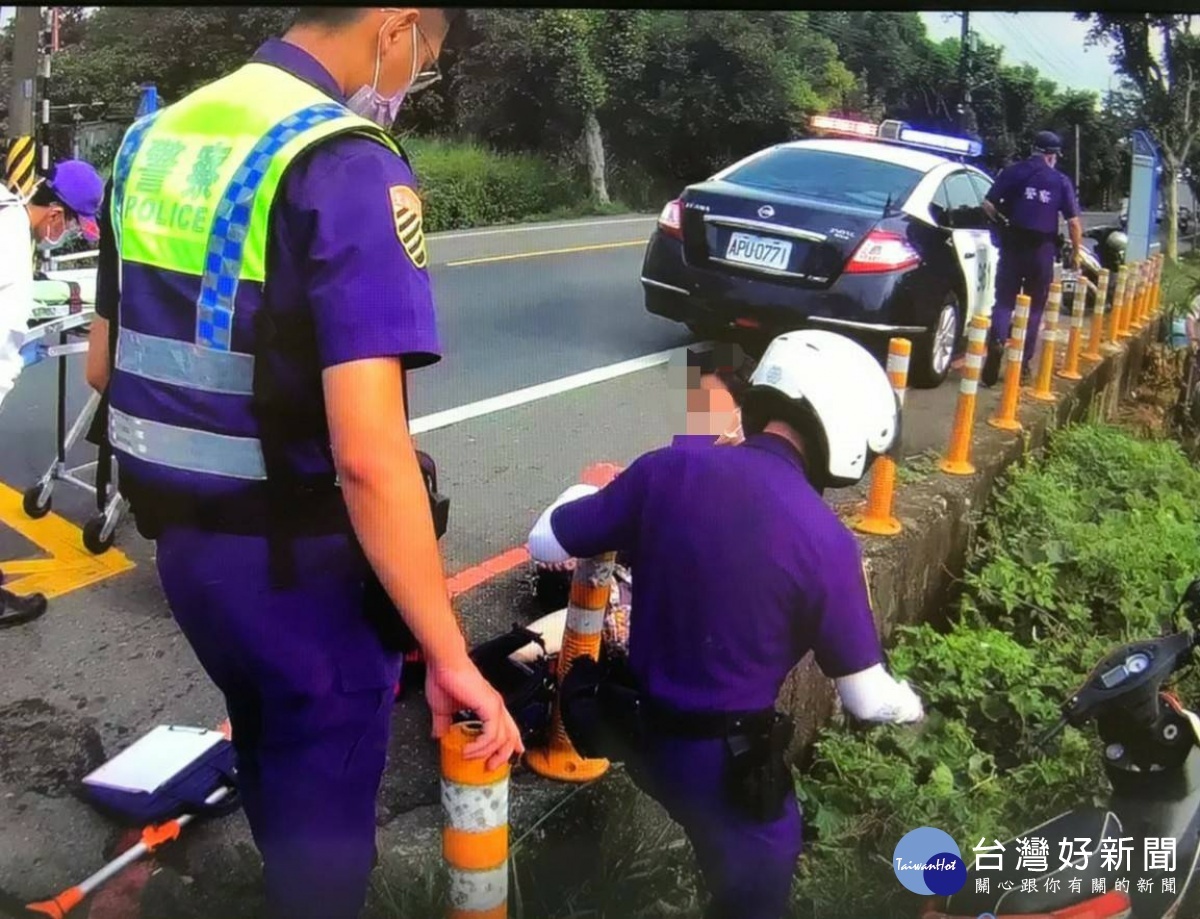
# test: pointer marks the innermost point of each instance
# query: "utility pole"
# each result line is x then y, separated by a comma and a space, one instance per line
26, 33
20, 159
964, 70
1077, 160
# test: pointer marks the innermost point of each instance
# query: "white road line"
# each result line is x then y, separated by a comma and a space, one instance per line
473, 234
503, 402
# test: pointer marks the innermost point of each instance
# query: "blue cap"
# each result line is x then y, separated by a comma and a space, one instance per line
1047, 142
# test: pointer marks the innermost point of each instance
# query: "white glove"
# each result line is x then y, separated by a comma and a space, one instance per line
874, 695
543, 546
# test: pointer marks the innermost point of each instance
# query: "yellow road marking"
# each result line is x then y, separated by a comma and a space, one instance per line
72, 567
545, 252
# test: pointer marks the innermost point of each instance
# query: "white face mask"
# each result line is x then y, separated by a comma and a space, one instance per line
369, 102
50, 244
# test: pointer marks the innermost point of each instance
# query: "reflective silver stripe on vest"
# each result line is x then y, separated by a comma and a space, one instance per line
186, 448
182, 363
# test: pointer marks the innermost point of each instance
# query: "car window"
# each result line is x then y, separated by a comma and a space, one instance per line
827, 176
961, 192
982, 184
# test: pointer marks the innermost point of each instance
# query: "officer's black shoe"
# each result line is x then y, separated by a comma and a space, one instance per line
991, 366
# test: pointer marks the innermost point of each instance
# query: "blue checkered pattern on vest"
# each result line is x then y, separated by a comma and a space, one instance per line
124, 162
226, 244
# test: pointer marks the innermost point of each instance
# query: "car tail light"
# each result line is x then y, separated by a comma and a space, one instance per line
882, 251
670, 220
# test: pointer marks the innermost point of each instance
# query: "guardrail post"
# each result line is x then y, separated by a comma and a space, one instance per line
878, 519
591, 588
1093, 352
1042, 391
1075, 342
475, 832
1006, 413
958, 457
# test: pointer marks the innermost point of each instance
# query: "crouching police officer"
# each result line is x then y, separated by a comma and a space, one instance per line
272, 290
741, 570
1026, 199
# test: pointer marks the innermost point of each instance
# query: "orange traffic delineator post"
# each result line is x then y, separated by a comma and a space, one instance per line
1153, 301
1006, 413
1093, 352
1158, 274
1111, 344
1042, 390
1125, 328
591, 588
958, 457
1138, 307
878, 519
1070, 370
475, 831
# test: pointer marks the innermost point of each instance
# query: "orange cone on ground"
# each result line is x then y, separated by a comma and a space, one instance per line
1006, 413
958, 457
878, 520
591, 588
1093, 352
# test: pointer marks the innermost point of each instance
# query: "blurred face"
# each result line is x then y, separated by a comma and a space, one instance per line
55, 227
711, 408
403, 57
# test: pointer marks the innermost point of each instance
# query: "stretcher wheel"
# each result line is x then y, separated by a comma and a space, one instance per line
33, 503
94, 538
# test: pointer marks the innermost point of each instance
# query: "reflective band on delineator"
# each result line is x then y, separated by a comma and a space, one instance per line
226, 245
585, 621
182, 363
478, 891
186, 448
475, 808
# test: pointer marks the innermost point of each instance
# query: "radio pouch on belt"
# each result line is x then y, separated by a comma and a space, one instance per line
759, 777
169, 772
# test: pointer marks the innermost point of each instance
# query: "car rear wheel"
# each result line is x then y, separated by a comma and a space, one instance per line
934, 352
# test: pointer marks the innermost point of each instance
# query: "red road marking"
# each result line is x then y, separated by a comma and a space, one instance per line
479, 574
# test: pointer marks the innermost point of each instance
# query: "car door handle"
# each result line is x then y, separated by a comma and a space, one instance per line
969, 255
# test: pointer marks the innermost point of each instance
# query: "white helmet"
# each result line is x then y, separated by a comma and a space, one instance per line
840, 398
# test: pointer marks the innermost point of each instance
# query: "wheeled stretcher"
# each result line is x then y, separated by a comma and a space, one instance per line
65, 309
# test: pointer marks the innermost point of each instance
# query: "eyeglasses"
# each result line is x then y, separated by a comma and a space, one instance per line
431, 74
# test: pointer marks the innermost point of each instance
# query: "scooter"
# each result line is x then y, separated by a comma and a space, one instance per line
1108, 254
1152, 759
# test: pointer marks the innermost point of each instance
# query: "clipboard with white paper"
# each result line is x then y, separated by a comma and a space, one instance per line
155, 759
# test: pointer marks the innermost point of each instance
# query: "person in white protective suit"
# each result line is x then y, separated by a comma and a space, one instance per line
62, 206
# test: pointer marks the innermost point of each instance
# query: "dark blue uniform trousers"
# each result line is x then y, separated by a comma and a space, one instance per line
1022, 266
747, 866
309, 690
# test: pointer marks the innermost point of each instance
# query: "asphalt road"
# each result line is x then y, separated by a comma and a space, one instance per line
107, 663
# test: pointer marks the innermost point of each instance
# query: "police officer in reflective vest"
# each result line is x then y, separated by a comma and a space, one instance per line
265, 287
1027, 198
741, 569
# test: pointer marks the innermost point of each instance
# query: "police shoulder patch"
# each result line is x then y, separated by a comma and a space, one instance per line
407, 213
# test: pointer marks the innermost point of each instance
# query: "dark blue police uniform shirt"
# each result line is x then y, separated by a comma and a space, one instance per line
333, 248
1032, 194
740, 569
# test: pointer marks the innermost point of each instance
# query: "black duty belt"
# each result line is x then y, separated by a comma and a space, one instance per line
706, 724
315, 512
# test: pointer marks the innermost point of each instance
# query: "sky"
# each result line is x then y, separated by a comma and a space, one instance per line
1051, 42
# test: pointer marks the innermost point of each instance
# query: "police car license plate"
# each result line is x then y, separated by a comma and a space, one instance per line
759, 252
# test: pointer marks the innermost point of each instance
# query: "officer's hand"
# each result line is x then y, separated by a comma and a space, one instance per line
600, 474
450, 689
1077, 257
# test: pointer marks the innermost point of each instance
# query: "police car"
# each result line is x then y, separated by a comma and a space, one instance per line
874, 230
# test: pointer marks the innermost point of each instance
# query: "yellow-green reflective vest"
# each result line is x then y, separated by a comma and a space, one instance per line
193, 190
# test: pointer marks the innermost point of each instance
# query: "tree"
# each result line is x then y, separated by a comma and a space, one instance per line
1166, 82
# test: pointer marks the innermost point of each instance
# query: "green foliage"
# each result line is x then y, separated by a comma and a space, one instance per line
466, 185
1085, 550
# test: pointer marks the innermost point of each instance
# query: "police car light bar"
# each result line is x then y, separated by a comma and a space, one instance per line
897, 132
943, 142
844, 126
